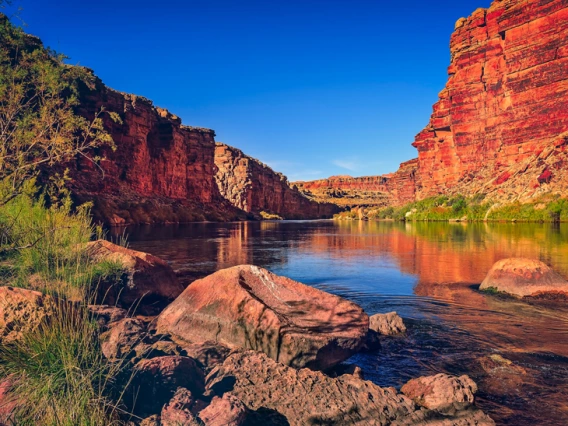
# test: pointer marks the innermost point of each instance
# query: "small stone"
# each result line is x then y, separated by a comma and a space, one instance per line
441, 392
387, 324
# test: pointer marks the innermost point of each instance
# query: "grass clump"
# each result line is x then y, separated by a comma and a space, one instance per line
58, 374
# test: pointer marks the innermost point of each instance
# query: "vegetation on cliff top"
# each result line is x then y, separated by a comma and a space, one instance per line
477, 208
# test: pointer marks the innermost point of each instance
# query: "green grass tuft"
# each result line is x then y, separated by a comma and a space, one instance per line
58, 374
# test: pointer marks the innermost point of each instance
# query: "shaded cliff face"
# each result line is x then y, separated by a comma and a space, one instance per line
368, 191
500, 124
254, 187
160, 170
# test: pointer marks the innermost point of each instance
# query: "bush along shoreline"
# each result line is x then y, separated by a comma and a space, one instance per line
546, 209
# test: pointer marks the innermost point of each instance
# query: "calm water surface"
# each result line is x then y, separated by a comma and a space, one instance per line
429, 274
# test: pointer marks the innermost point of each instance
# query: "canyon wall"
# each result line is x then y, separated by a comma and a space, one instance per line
500, 125
368, 191
254, 187
159, 171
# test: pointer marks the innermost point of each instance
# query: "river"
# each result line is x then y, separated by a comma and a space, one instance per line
429, 274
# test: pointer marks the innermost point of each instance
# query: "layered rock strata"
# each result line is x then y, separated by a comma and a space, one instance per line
254, 187
159, 171
500, 125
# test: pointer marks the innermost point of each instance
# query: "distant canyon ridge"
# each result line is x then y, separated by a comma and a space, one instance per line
500, 127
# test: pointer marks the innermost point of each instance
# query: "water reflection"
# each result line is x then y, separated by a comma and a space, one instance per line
429, 272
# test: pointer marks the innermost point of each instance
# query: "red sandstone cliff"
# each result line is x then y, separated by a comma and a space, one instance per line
254, 187
160, 171
500, 125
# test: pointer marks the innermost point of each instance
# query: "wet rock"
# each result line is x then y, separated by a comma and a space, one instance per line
525, 278
156, 380
146, 282
502, 376
119, 341
387, 324
441, 392
304, 396
178, 410
372, 342
106, 315
21, 311
226, 411
249, 307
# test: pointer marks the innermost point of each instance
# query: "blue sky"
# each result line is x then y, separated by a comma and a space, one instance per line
313, 88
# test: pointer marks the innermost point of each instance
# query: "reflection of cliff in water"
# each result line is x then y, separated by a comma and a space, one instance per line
446, 252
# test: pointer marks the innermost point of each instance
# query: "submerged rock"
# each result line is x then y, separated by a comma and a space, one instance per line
146, 282
249, 307
525, 278
304, 397
441, 392
22, 310
387, 324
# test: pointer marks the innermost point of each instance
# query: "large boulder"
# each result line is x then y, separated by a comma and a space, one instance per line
525, 278
22, 310
306, 397
249, 307
441, 392
146, 282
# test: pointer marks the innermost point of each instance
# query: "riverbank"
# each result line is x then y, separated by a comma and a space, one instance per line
546, 209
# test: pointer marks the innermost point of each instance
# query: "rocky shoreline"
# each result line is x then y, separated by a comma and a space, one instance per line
243, 346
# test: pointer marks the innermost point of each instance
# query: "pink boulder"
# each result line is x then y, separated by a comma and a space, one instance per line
249, 307
146, 282
525, 278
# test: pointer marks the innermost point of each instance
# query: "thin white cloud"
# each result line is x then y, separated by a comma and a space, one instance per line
350, 165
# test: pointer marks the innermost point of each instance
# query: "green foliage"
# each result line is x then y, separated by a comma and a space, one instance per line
46, 245
58, 373
269, 216
38, 125
491, 290
444, 208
